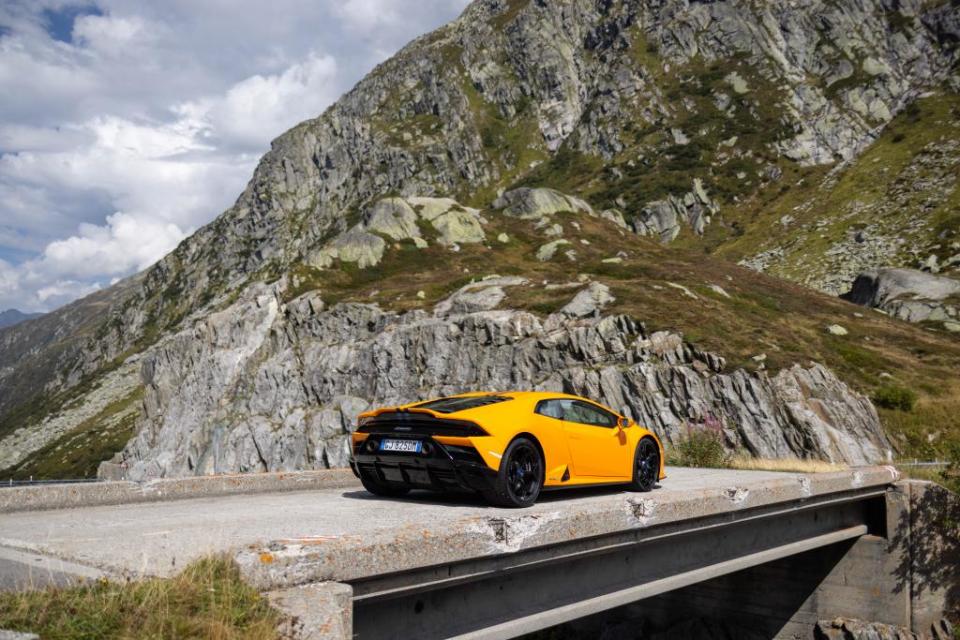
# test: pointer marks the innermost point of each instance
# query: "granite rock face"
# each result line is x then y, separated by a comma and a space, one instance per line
267, 386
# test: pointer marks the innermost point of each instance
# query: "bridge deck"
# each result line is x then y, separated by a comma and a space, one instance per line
289, 538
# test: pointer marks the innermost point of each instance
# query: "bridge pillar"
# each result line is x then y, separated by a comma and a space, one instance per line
320, 611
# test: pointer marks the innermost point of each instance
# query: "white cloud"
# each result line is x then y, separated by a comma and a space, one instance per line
64, 291
125, 243
148, 121
109, 35
257, 109
367, 14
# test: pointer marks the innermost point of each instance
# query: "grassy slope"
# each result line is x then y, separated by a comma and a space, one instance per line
868, 180
784, 321
207, 600
78, 453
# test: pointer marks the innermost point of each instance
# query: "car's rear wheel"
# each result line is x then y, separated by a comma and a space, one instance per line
382, 489
520, 478
646, 465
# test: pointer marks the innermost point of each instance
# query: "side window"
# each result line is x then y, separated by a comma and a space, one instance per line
552, 408
586, 413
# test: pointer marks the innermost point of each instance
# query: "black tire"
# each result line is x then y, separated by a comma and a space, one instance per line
385, 490
520, 477
646, 465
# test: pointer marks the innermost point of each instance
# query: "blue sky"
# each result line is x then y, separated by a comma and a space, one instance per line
125, 126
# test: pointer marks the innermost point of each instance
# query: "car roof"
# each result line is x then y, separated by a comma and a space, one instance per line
530, 395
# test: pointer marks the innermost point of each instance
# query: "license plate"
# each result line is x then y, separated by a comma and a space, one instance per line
400, 446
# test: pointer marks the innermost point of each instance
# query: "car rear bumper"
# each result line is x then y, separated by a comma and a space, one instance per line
445, 468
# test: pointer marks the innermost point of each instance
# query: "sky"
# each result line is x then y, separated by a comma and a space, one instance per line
125, 126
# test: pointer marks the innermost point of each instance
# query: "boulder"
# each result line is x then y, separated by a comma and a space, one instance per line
589, 301
852, 629
392, 217
907, 294
837, 330
455, 223
356, 245
529, 204
547, 251
478, 296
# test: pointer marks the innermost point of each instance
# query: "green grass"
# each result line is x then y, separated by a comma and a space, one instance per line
894, 397
208, 600
78, 453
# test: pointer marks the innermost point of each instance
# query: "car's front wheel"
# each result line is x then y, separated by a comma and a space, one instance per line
381, 489
520, 478
646, 465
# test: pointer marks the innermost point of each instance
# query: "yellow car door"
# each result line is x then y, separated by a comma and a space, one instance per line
597, 446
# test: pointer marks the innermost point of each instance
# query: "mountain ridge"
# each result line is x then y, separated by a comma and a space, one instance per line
11, 317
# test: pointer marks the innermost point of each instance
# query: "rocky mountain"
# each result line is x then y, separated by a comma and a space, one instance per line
678, 122
11, 317
266, 384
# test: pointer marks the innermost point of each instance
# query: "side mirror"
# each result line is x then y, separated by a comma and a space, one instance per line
623, 423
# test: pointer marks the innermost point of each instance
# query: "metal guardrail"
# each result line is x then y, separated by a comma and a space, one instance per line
10, 482
921, 463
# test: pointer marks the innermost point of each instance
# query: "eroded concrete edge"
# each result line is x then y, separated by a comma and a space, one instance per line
286, 563
322, 611
64, 496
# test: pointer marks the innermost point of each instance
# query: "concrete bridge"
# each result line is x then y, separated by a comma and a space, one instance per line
775, 551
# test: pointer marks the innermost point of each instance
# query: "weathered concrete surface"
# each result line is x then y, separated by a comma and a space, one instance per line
59, 496
337, 534
315, 612
20, 570
686, 494
932, 566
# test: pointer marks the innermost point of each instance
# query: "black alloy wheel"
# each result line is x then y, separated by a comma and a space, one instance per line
646, 465
520, 477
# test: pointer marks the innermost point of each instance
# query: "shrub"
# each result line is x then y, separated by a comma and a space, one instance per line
894, 397
950, 475
700, 446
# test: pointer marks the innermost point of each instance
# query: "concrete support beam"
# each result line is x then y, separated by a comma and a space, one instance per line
321, 611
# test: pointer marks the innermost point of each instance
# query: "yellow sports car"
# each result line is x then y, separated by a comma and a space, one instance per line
508, 446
